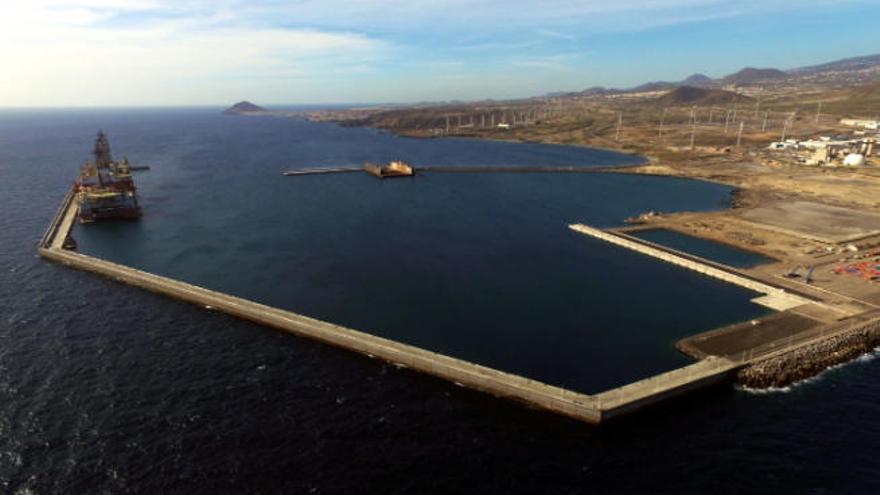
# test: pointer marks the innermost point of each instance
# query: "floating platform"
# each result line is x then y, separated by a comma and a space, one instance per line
105, 188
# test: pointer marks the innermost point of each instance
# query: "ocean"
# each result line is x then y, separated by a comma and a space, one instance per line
105, 388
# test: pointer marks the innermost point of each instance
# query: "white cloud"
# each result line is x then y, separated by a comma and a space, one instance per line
67, 52
117, 52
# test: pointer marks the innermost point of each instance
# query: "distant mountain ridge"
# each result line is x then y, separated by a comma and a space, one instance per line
851, 71
846, 64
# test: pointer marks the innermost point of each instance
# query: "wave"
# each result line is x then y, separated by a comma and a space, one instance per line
864, 358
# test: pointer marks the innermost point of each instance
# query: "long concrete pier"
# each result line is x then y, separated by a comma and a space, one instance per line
480, 169
318, 171
466, 169
774, 297
588, 408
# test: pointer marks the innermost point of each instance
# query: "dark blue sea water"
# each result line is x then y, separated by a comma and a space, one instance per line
703, 248
109, 389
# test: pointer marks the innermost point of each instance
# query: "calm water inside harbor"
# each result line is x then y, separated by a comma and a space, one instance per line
477, 266
109, 389
713, 251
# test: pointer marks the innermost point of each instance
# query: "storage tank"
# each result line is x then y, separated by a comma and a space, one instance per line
854, 160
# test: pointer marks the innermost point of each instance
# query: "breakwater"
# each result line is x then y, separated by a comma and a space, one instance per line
809, 360
775, 363
774, 297
467, 169
317, 171
782, 360
588, 408
520, 170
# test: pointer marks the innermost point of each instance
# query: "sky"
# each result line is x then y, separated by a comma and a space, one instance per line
273, 52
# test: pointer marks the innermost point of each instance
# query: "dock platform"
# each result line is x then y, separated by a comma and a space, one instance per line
471, 169
318, 171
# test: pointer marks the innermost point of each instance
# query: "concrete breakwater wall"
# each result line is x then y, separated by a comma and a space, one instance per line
481, 169
569, 403
52, 230
588, 408
809, 360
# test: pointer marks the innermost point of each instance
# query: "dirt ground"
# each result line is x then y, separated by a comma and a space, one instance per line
831, 224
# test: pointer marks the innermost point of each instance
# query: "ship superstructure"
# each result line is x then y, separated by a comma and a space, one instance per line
105, 188
396, 168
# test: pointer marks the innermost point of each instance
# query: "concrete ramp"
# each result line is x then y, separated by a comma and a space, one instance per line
778, 302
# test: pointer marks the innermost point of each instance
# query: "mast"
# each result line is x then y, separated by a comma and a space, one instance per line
102, 151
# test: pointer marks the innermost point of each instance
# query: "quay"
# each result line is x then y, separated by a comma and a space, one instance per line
513, 170
773, 297
315, 171
595, 409
475, 169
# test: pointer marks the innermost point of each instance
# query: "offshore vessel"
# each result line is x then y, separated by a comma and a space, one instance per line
396, 168
104, 188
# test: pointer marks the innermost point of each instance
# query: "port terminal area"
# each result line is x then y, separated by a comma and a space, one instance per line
804, 316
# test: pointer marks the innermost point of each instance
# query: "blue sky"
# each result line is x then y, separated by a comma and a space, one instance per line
161, 52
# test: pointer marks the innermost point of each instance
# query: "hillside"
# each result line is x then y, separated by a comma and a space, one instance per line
751, 75
653, 86
697, 80
861, 101
244, 108
689, 95
847, 64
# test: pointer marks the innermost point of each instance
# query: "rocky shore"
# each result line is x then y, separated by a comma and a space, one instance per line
809, 361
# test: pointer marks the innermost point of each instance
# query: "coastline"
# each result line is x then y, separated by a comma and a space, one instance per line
778, 371
812, 360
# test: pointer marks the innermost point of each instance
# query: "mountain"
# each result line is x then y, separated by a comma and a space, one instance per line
751, 75
597, 90
831, 76
689, 95
846, 64
652, 86
697, 80
244, 108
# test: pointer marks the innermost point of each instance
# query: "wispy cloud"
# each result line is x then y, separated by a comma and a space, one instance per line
201, 51
557, 62
64, 49
509, 15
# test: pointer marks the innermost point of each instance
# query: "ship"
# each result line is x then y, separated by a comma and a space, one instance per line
396, 168
104, 188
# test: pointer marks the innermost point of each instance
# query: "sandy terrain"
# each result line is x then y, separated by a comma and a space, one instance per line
826, 223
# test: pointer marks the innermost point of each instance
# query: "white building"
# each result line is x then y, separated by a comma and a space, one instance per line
864, 123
